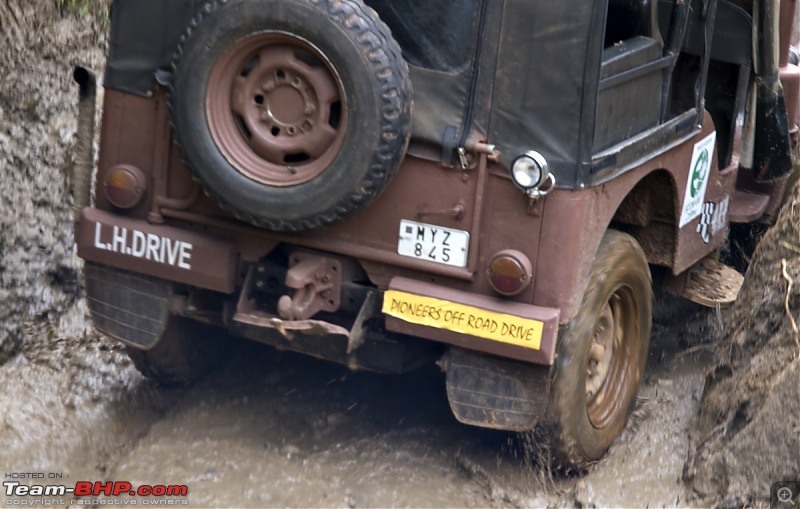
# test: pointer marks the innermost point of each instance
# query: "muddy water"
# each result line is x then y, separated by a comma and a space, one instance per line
267, 428
272, 429
276, 429
644, 467
319, 436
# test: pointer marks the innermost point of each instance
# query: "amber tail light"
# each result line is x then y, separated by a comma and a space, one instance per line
509, 272
125, 185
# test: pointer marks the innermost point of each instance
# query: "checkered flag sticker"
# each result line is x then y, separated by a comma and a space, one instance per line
706, 216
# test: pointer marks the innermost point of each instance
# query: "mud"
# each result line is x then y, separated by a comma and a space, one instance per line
38, 269
58, 378
326, 437
266, 428
749, 430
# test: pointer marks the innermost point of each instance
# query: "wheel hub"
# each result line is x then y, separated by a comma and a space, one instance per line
600, 352
276, 109
284, 106
611, 361
285, 103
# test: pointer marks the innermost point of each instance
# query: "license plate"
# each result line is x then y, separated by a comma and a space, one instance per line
433, 243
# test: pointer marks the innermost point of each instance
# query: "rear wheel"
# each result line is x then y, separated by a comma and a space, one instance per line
602, 354
186, 351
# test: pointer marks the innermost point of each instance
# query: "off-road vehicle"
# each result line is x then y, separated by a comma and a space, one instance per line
384, 183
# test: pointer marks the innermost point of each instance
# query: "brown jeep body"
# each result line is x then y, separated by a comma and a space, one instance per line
606, 92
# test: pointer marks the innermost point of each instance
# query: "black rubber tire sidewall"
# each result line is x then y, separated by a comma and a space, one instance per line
576, 441
377, 130
186, 351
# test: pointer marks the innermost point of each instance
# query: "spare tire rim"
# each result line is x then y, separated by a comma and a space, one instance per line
276, 109
612, 359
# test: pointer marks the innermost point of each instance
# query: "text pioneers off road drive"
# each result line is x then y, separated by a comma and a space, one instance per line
493, 186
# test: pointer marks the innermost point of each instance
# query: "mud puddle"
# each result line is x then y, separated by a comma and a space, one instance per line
277, 429
645, 465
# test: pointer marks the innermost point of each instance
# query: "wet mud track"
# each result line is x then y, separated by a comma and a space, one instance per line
276, 429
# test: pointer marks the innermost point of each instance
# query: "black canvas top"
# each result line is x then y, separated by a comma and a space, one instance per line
519, 74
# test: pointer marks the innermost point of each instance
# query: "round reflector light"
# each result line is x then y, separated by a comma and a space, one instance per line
125, 186
509, 272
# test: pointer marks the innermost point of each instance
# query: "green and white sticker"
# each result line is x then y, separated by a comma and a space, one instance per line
697, 183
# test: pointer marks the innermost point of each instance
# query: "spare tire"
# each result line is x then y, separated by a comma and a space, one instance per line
292, 113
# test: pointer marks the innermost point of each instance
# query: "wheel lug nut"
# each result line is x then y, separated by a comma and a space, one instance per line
290, 130
269, 86
309, 109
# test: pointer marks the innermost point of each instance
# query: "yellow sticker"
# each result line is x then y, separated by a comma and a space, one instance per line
470, 320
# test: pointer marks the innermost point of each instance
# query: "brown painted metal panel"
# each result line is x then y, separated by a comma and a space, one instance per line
572, 226
162, 251
690, 243
560, 234
574, 223
130, 135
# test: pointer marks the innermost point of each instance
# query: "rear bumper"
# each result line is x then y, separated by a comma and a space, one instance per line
477, 322
170, 253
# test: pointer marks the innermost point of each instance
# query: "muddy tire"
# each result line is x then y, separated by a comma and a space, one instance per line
187, 351
292, 113
602, 355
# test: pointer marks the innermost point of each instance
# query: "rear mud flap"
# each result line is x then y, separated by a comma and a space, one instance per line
128, 307
497, 393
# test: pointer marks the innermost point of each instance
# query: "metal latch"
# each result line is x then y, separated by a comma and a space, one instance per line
462, 158
477, 148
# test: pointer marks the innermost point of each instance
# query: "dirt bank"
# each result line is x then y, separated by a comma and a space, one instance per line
56, 374
749, 430
38, 268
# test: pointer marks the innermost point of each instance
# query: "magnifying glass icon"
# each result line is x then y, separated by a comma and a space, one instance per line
785, 496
